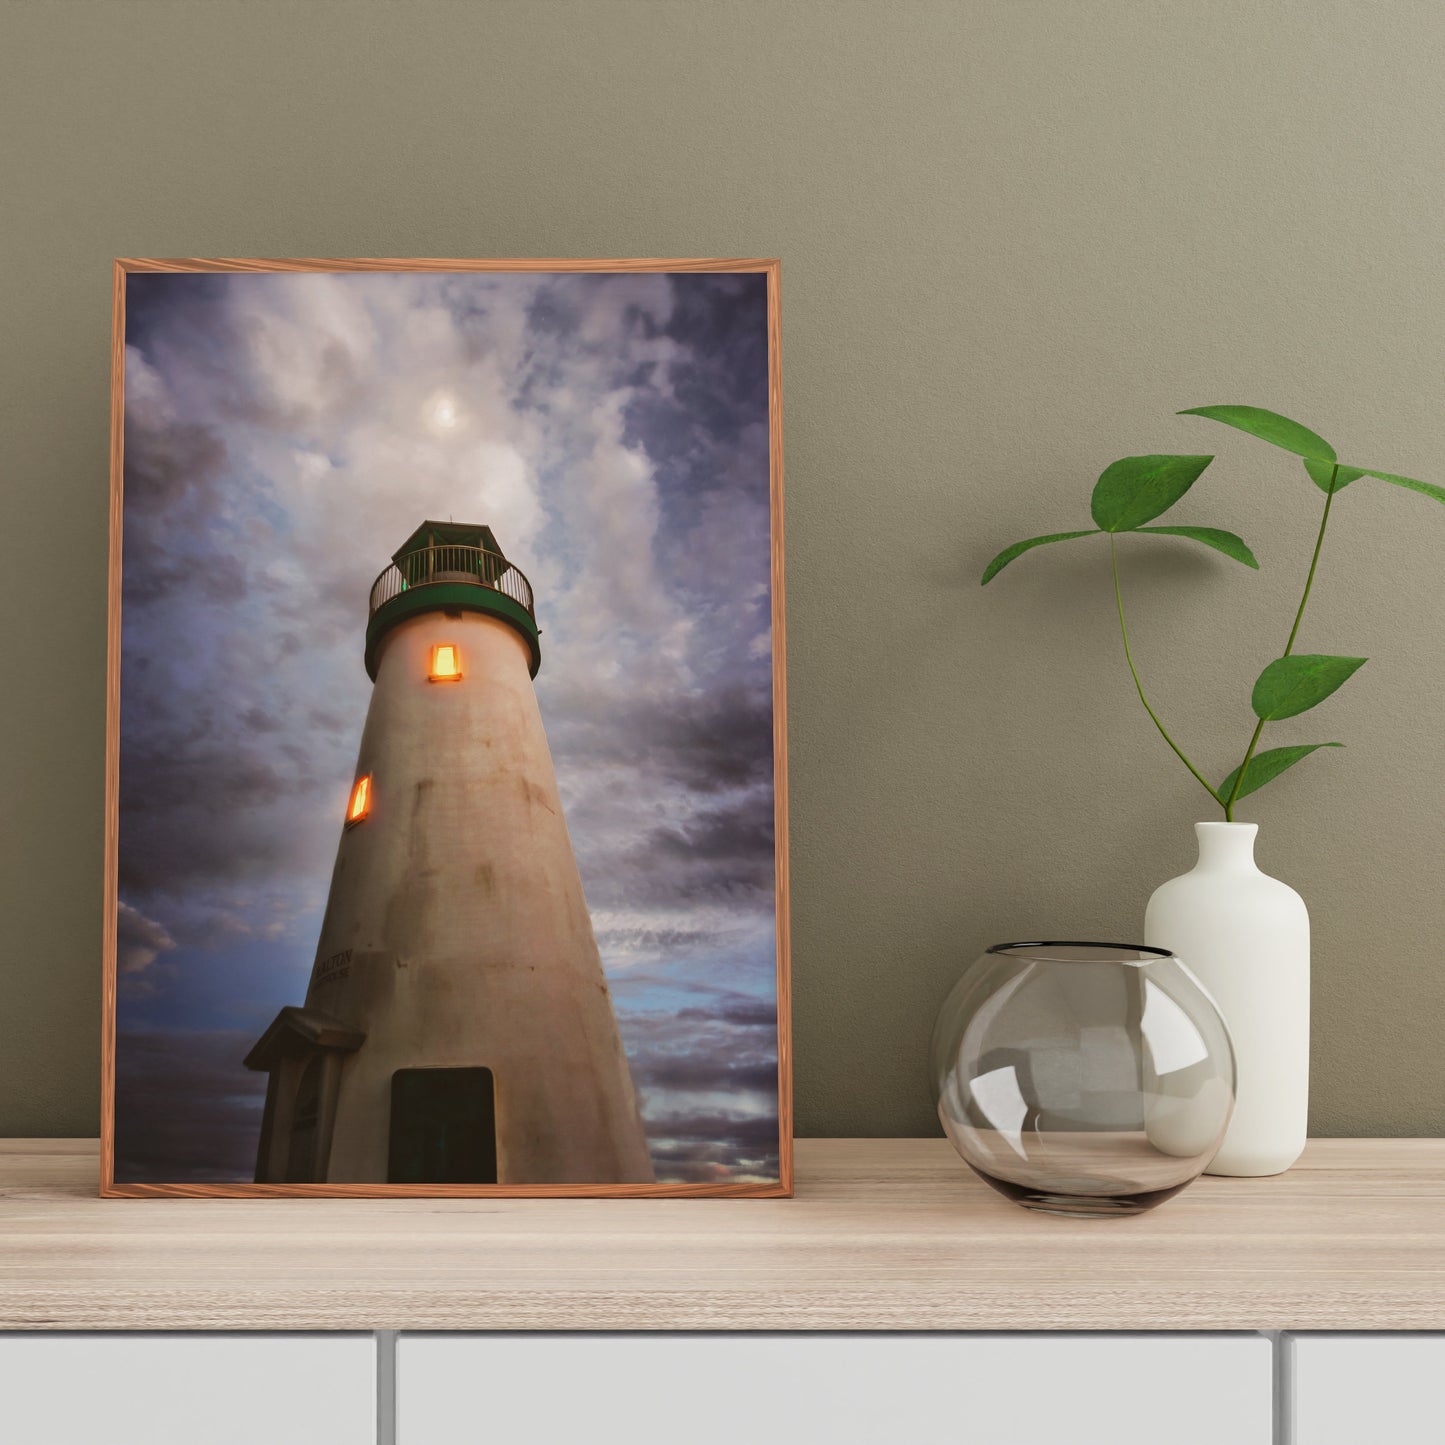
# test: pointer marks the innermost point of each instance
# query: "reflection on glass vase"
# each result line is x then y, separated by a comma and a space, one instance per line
1088, 1079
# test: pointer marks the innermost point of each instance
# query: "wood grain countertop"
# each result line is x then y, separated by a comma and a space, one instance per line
884, 1234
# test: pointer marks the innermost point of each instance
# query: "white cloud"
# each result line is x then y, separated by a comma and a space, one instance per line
139, 940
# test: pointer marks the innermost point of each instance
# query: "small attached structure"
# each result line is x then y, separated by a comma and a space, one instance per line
303, 1051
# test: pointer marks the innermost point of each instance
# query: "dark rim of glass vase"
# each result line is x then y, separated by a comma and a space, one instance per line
1022, 950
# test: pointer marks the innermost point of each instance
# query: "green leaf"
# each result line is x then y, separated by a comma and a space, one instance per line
1019, 548
1320, 473
1265, 767
1269, 426
1426, 489
1138, 489
1292, 685
1221, 541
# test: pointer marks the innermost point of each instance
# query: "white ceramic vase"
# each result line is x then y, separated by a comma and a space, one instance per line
1246, 937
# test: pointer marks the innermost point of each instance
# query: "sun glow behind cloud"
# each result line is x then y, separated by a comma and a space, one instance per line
442, 413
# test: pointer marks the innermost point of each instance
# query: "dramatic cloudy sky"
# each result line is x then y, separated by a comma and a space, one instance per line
284, 434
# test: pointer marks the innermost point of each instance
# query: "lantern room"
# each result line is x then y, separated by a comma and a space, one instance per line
450, 566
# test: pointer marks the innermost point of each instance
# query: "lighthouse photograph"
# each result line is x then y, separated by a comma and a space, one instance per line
447, 763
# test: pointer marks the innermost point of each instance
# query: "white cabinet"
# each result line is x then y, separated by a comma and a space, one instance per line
1368, 1389
187, 1389
718, 1389
849, 1389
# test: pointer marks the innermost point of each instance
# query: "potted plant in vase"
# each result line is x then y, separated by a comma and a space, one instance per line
1244, 934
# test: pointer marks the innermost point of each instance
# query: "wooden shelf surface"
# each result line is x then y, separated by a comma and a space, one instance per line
884, 1234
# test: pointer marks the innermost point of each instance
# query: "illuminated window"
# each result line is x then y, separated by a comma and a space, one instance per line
446, 663
360, 804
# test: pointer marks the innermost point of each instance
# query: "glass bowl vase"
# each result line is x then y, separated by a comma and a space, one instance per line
1087, 1079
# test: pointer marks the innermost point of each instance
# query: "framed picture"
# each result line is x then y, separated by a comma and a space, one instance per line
446, 794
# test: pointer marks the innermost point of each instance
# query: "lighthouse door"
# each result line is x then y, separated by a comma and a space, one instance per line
443, 1127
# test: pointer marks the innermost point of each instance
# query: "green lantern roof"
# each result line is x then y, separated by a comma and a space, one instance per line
447, 534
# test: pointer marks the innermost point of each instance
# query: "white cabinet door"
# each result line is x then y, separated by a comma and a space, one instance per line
188, 1389
849, 1389
1368, 1389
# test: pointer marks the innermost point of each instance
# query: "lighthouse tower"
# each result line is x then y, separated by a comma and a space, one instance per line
457, 1028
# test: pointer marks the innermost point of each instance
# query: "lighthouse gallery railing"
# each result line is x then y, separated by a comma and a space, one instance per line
476, 565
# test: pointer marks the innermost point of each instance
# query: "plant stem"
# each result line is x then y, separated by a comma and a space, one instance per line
1314, 561
1243, 768
1289, 646
1139, 686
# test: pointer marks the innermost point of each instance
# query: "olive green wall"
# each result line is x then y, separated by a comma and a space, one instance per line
1016, 237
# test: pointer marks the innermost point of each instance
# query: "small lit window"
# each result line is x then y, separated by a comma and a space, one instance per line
360, 804
446, 663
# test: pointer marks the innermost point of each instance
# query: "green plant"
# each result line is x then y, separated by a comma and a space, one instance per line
1136, 490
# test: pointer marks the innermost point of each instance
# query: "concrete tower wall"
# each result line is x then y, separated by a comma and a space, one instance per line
456, 934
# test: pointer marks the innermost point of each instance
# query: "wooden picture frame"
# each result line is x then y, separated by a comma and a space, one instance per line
112, 1186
